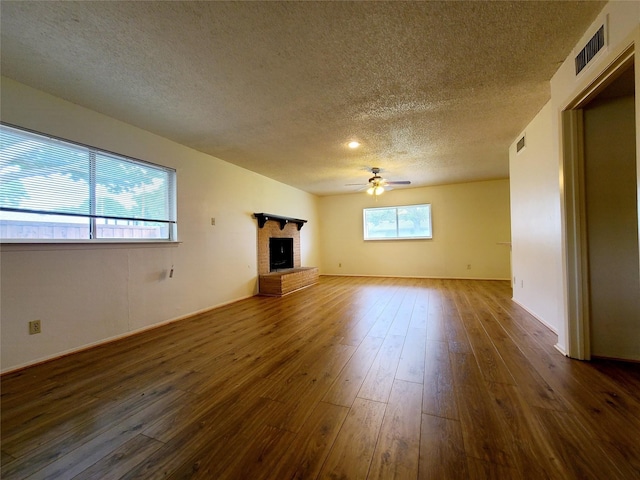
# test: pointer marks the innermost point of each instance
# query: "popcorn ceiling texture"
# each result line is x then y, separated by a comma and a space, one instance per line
434, 91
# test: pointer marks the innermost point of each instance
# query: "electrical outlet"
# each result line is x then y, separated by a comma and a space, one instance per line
34, 327
213, 221
469, 266
339, 265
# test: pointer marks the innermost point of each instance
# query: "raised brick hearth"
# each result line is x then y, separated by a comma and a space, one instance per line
287, 281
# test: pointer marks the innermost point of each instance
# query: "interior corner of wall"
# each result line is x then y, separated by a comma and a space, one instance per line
561, 349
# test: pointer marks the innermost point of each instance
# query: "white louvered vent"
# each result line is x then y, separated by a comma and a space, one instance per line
589, 51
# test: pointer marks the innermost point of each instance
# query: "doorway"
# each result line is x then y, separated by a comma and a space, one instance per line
601, 206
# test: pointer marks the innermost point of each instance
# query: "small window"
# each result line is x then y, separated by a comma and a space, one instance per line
389, 223
53, 190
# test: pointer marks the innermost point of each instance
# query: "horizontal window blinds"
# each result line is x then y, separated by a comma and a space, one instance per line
44, 175
40, 175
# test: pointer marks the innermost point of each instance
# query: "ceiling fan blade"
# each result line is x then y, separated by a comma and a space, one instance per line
355, 184
401, 182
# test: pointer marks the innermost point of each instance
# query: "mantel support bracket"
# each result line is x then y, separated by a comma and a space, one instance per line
283, 221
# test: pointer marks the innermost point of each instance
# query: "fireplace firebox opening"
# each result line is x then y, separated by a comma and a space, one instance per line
280, 253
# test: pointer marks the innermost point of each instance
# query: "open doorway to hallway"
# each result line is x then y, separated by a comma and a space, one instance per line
601, 207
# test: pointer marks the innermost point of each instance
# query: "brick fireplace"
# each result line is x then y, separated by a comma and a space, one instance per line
272, 230
278, 283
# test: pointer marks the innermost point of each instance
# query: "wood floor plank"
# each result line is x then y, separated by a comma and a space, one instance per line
378, 382
78, 460
482, 470
398, 448
527, 330
201, 445
456, 334
533, 453
346, 386
299, 395
353, 377
305, 455
625, 375
121, 460
489, 359
5, 458
486, 436
24, 433
403, 315
436, 328
420, 313
411, 365
442, 454
54, 442
354, 333
257, 457
576, 451
353, 449
388, 314
439, 394
211, 410
606, 412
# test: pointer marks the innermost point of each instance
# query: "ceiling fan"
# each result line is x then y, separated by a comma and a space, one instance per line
377, 185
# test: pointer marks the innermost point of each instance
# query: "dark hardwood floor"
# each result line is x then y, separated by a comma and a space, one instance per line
352, 378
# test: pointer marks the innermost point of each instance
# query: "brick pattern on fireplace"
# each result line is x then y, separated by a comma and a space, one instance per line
272, 229
281, 283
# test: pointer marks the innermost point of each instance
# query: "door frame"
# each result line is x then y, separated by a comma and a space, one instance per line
572, 198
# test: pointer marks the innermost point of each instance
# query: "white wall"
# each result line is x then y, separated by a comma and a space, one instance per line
469, 220
535, 221
535, 178
84, 294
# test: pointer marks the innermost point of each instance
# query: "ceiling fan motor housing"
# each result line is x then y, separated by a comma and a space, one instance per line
376, 177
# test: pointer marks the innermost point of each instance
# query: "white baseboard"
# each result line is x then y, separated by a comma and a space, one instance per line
534, 315
560, 349
411, 276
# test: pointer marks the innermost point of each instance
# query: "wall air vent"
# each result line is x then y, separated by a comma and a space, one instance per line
589, 51
520, 144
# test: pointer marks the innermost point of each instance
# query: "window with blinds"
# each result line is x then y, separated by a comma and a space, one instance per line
53, 189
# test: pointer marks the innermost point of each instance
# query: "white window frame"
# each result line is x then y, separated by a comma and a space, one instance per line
365, 230
93, 218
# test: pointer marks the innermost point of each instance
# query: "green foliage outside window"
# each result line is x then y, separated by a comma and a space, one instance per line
403, 222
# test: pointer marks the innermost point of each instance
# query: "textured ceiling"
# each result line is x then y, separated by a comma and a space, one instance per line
434, 91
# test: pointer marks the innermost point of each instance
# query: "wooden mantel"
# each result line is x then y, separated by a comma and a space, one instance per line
265, 217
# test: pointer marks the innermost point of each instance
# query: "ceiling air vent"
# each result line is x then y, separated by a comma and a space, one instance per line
520, 144
589, 51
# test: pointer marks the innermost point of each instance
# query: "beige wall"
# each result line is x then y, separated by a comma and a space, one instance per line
535, 221
85, 294
469, 220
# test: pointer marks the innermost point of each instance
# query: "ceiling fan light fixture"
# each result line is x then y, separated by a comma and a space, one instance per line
354, 144
375, 189
377, 185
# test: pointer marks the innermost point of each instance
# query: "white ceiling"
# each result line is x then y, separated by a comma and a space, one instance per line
435, 91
